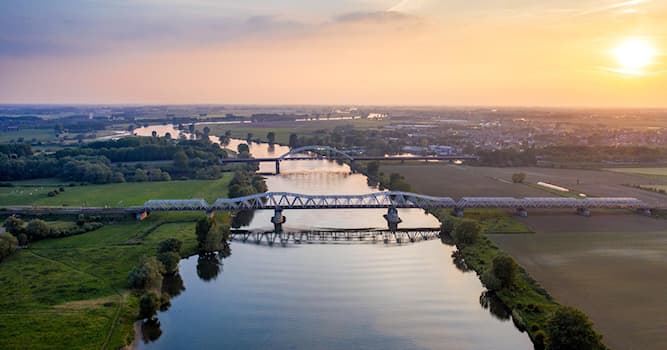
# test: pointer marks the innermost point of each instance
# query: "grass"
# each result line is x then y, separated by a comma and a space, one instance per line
640, 171
44, 135
70, 292
114, 195
497, 221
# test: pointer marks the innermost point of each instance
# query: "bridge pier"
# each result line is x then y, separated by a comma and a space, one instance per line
583, 212
141, 216
522, 212
644, 211
458, 212
392, 219
277, 167
278, 220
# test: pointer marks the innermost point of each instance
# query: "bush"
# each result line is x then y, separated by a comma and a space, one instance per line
490, 281
148, 305
447, 227
518, 178
505, 269
8, 245
170, 245
14, 225
170, 261
466, 232
570, 329
146, 276
37, 229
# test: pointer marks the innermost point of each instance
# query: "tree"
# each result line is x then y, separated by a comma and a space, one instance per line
117, 177
148, 305
146, 276
167, 136
373, 168
243, 148
570, 329
293, 140
505, 269
170, 245
249, 137
447, 227
37, 229
154, 133
207, 131
181, 160
8, 245
170, 261
518, 178
466, 232
211, 235
271, 136
14, 225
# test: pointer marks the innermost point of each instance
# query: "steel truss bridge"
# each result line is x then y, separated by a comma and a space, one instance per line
385, 200
326, 152
336, 237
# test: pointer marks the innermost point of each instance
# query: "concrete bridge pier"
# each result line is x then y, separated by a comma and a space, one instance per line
278, 220
392, 219
277, 167
644, 211
458, 212
522, 212
583, 212
141, 216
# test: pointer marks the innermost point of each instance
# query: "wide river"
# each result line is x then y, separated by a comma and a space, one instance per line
330, 296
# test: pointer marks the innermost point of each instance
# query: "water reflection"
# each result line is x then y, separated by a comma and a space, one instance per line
489, 301
209, 265
173, 285
150, 330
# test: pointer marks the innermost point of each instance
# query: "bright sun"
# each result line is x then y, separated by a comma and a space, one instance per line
633, 55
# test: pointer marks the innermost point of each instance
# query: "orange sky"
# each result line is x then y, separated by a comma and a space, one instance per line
419, 53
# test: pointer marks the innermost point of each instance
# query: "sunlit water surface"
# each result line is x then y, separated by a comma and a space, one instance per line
330, 296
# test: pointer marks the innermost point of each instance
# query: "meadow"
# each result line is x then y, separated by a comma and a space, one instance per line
640, 171
78, 284
35, 192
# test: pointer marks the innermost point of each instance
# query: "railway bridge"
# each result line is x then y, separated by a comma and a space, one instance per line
390, 200
327, 152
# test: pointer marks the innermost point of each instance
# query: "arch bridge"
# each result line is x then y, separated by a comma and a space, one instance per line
331, 153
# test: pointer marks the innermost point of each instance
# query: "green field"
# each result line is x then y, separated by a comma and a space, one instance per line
640, 171
71, 291
112, 195
44, 135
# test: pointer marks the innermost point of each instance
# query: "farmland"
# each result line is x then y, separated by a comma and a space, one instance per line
593, 263
112, 195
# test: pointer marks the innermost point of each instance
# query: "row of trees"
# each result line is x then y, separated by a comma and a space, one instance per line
245, 183
566, 328
37, 229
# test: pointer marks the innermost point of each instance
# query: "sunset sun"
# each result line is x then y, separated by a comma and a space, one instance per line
633, 55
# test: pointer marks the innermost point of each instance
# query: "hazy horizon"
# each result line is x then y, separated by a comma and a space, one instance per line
574, 54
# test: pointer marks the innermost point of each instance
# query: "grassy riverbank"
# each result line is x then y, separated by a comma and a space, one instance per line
113, 195
71, 292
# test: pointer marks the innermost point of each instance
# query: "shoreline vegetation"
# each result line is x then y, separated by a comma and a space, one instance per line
549, 324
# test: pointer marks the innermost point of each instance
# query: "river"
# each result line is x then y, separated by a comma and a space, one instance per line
330, 296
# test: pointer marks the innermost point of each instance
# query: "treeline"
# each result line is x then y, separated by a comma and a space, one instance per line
604, 153
245, 183
374, 142
16, 149
37, 229
507, 157
94, 162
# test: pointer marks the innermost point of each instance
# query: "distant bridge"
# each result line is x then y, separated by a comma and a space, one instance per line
327, 152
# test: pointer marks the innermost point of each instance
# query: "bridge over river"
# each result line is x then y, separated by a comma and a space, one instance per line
390, 200
326, 152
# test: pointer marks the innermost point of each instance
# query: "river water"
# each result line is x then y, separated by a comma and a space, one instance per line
330, 296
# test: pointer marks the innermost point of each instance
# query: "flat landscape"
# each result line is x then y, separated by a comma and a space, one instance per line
605, 264
112, 195
459, 181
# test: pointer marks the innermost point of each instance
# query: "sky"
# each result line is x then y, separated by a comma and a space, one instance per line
574, 53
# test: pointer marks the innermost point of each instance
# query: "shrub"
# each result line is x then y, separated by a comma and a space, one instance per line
447, 227
466, 232
8, 245
37, 229
490, 281
170, 245
569, 328
518, 178
170, 261
148, 305
505, 269
146, 276
14, 225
